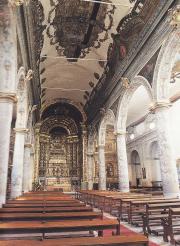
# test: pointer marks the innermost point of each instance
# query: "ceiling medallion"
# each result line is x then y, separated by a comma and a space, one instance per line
175, 16
74, 26
125, 82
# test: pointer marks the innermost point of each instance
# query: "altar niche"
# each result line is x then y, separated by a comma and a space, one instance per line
60, 162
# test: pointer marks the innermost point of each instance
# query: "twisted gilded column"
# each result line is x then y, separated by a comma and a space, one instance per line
123, 175
8, 71
18, 162
102, 167
84, 151
167, 161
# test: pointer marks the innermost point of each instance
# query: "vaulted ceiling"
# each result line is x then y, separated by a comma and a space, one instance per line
76, 37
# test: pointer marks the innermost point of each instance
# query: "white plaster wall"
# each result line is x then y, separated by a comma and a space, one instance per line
144, 137
175, 128
140, 129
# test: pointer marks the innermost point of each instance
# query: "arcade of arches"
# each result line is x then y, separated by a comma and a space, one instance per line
89, 96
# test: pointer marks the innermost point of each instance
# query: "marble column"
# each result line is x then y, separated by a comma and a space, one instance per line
167, 161
102, 167
31, 176
90, 164
37, 153
27, 167
18, 161
123, 175
8, 71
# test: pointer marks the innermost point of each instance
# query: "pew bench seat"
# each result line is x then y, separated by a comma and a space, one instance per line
50, 216
36, 205
45, 209
29, 227
136, 240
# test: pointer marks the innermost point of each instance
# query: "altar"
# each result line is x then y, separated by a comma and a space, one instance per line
58, 183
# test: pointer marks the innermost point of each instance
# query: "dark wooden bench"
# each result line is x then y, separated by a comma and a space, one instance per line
29, 227
153, 215
47, 198
171, 226
50, 216
138, 207
36, 205
46, 209
40, 201
136, 240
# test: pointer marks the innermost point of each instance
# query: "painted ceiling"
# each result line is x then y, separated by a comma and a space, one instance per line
77, 34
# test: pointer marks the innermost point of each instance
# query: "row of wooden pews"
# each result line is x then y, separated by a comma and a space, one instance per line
156, 214
34, 218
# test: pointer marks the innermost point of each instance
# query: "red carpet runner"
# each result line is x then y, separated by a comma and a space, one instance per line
125, 231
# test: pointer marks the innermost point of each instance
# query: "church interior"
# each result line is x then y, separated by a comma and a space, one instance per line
89, 122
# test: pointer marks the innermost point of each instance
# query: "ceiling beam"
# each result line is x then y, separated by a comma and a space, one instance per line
72, 58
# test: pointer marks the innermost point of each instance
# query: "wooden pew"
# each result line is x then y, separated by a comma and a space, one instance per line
154, 214
37, 205
137, 207
29, 227
46, 209
171, 226
136, 240
47, 198
50, 216
120, 202
40, 201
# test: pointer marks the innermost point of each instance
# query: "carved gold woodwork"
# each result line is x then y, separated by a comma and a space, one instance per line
60, 155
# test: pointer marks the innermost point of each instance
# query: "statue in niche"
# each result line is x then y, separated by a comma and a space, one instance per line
53, 171
58, 173
110, 170
62, 172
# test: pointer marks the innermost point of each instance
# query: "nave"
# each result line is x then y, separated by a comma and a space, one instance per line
35, 217
56, 218
89, 121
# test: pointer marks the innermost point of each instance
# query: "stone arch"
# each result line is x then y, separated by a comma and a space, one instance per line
136, 167
64, 100
125, 98
164, 65
108, 119
66, 123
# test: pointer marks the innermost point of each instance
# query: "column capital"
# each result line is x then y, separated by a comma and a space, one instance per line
21, 130
10, 96
157, 105
120, 133
90, 154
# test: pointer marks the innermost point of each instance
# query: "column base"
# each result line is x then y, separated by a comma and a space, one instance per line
124, 190
16, 195
172, 195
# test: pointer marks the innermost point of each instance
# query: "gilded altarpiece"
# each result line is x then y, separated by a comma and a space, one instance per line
60, 155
